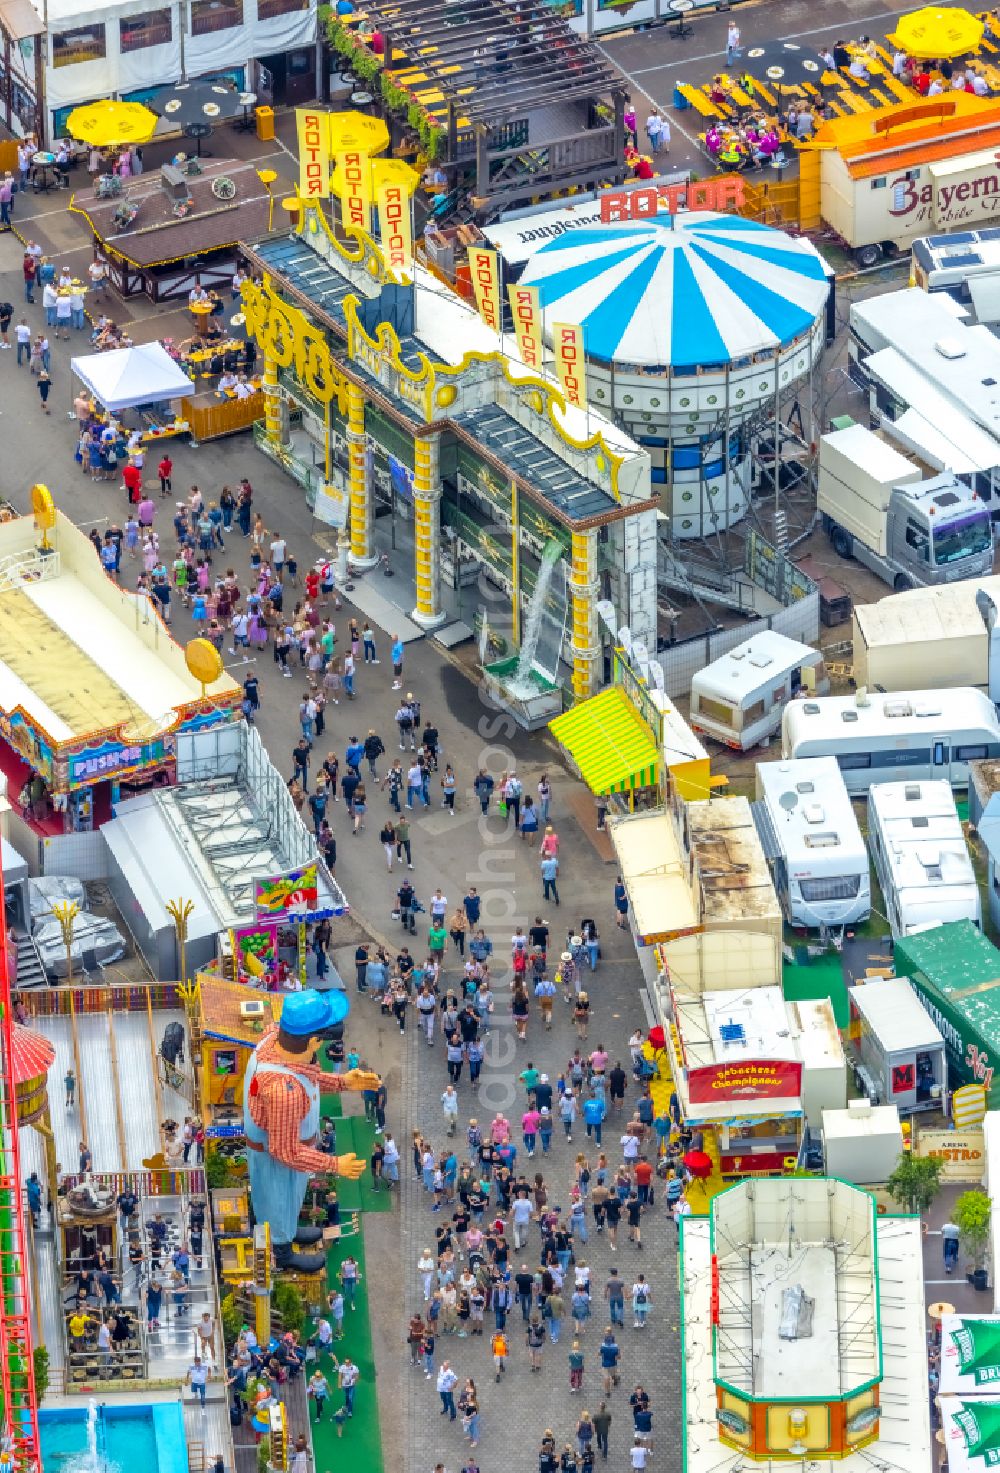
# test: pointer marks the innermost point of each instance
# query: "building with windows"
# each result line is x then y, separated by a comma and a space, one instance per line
407, 420
132, 48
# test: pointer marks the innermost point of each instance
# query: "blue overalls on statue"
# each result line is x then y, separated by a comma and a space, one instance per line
277, 1191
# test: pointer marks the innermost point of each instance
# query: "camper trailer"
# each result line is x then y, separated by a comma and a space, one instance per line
739, 698
929, 733
812, 841
920, 856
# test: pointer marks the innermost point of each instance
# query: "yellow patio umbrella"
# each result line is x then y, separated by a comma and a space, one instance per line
938, 32
394, 171
106, 124
357, 131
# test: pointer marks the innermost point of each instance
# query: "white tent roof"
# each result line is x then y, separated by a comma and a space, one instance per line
126, 377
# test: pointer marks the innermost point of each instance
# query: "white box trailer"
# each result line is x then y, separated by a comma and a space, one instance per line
938, 637
811, 837
921, 857
739, 698
901, 1057
857, 472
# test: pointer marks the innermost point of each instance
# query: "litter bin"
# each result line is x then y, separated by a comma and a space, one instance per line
265, 124
681, 103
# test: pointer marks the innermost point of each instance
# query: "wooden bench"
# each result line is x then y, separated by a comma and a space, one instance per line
896, 87
699, 101
854, 103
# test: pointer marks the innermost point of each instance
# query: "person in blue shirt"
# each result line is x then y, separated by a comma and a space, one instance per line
353, 755
594, 1111
472, 904
397, 656
550, 869
610, 1352
33, 1188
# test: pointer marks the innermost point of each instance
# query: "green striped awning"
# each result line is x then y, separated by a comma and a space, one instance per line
609, 742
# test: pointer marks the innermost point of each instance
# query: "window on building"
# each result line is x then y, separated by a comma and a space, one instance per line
977, 753
268, 9
848, 761
86, 43
208, 16
151, 28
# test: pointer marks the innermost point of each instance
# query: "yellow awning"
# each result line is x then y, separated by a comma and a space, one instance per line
609, 742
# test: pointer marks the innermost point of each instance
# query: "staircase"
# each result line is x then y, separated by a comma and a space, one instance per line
30, 972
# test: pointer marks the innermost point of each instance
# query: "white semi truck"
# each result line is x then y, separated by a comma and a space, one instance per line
911, 532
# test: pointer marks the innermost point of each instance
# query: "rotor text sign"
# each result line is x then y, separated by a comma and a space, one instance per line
725, 193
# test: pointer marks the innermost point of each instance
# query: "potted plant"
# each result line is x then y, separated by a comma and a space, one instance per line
972, 1215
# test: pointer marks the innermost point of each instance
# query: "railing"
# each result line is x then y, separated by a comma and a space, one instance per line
60, 1002
554, 160
167, 1181
28, 567
506, 135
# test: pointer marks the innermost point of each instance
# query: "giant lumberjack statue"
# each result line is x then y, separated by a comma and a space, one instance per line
281, 1112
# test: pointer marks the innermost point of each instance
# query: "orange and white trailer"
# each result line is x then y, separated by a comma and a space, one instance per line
881, 178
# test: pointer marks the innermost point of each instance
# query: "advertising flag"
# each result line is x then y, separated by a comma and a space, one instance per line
314, 152
527, 312
485, 271
571, 367
394, 229
355, 173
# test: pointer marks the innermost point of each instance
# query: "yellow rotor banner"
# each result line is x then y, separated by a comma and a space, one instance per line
314, 152
395, 229
527, 312
485, 271
571, 366
355, 171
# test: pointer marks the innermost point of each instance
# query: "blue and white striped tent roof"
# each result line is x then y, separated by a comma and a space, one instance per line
708, 289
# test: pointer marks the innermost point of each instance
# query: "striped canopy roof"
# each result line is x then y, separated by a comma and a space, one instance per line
704, 290
32, 1054
609, 742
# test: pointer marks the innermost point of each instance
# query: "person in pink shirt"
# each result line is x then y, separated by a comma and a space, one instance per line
500, 1130
529, 1129
550, 844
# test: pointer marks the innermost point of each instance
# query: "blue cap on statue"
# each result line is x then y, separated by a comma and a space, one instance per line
307, 1013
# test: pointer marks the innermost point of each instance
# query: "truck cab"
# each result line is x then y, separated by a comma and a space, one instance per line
937, 532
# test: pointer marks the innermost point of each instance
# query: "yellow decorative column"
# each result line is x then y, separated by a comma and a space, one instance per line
583, 590
274, 419
427, 532
362, 510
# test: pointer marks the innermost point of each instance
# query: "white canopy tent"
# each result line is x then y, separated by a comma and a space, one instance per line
126, 377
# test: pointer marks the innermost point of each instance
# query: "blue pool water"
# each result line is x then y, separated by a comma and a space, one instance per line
129, 1436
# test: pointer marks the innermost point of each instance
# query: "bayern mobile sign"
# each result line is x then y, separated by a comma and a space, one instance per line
952, 192
746, 1079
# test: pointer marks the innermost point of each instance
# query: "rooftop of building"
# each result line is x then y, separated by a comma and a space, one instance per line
920, 131
486, 59
731, 865
772, 1238
956, 959
949, 611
